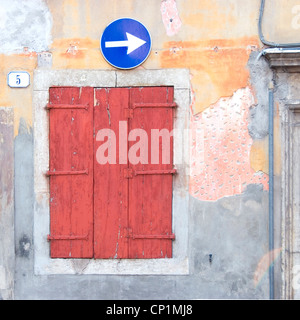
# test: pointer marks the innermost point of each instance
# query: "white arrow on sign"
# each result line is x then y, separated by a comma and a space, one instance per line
132, 43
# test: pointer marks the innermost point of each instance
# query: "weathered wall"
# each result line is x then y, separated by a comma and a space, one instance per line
7, 262
218, 42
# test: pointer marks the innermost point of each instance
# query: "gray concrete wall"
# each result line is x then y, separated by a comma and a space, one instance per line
7, 262
24, 201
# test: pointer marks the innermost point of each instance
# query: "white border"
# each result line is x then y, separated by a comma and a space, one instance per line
43, 80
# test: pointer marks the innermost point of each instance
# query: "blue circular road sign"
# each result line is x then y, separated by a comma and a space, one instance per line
125, 43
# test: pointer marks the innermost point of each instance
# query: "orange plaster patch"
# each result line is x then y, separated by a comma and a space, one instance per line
259, 155
77, 53
74, 48
220, 149
218, 67
277, 142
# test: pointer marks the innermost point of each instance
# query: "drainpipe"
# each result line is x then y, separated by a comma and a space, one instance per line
271, 189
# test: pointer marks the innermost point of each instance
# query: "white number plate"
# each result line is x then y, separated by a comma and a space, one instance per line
18, 79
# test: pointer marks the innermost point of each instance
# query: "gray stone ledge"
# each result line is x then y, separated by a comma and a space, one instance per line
283, 60
178, 78
43, 79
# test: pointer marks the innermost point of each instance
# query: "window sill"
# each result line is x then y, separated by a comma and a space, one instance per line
113, 267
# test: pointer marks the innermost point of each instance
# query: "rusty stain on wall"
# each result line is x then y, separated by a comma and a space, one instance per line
220, 149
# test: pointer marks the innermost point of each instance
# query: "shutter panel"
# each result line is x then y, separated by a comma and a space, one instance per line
110, 185
150, 185
71, 172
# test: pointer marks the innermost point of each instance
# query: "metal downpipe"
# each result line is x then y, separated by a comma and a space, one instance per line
271, 191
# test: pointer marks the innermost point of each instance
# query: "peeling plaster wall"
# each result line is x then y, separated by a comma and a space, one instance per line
221, 147
217, 41
24, 24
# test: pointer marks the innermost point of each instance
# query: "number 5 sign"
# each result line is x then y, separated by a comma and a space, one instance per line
18, 79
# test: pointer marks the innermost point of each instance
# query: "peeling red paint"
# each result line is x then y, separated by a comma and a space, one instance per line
170, 17
220, 149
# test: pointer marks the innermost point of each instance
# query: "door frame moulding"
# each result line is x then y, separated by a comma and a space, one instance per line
285, 63
42, 81
290, 217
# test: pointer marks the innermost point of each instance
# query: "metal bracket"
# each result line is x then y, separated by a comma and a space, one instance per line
155, 105
154, 236
150, 172
64, 173
63, 237
133, 236
66, 106
129, 173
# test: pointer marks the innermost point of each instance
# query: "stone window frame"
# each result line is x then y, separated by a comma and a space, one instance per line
285, 63
46, 78
290, 216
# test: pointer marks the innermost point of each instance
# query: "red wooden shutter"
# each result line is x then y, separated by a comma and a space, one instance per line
110, 186
71, 172
116, 209
150, 188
